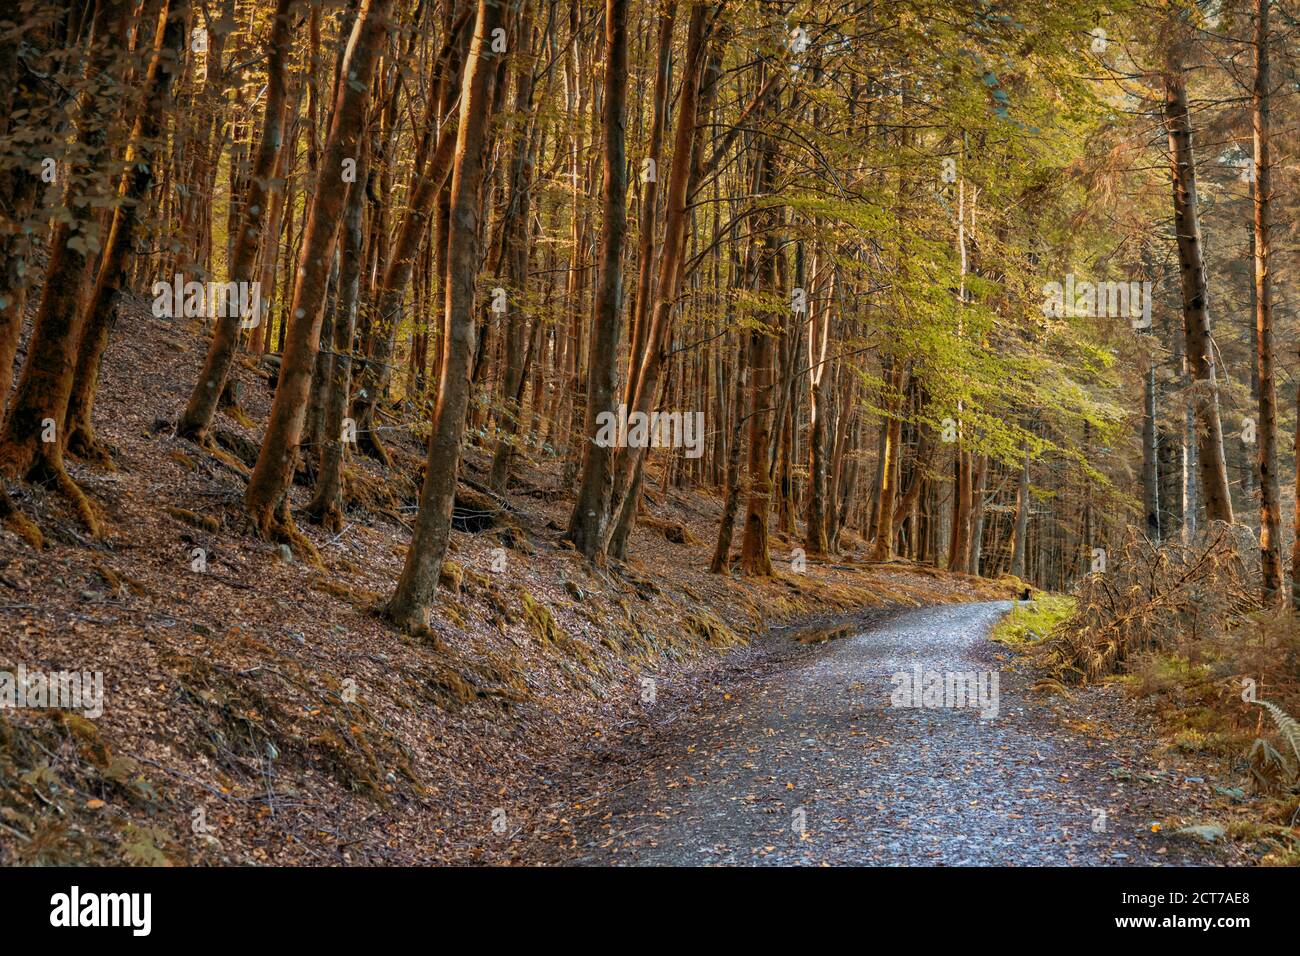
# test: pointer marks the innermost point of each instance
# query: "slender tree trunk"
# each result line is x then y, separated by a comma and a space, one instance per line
1196, 316
727, 526
650, 194
755, 556
408, 607
892, 428
1270, 510
959, 548
978, 481
590, 518
20, 92
1021, 528
517, 241
262, 189
101, 309
33, 436
815, 540
426, 191
275, 464
1150, 452
327, 502
671, 256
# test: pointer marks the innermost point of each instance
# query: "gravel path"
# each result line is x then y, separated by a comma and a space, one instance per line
811, 763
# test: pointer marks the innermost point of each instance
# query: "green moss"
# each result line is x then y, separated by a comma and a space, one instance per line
1030, 622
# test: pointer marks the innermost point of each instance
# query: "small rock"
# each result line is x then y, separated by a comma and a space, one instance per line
1205, 832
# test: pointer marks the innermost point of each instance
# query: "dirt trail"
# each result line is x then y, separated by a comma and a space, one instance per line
810, 764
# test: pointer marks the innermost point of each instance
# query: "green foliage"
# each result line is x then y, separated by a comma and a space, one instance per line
1030, 622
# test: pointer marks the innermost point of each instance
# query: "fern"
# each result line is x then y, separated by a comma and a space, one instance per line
1287, 725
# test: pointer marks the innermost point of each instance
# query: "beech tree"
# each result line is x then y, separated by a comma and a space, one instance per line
408, 607
270, 480
263, 188
591, 507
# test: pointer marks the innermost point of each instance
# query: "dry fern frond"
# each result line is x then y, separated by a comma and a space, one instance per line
1287, 726
1156, 598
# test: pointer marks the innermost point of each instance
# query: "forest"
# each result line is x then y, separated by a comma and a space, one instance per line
411, 406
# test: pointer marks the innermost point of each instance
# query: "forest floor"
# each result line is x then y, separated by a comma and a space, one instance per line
257, 711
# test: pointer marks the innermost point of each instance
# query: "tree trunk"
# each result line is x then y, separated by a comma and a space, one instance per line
517, 242
726, 527
959, 547
1021, 528
1150, 452
1270, 511
20, 91
408, 607
646, 367
100, 311
755, 556
262, 189
275, 464
815, 540
978, 481
892, 431
326, 505
426, 189
1196, 316
588, 523
33, 437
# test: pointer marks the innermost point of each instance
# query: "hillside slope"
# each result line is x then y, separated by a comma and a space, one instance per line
257, 711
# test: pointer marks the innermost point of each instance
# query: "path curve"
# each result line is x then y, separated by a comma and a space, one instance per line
816, 763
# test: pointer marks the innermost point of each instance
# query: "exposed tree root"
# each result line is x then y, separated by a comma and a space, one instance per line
409, 621
238, 414
368, 441
39, 465
277, 524
328, 515
209, 445
70, 490
85, 444
19, 523
203, 522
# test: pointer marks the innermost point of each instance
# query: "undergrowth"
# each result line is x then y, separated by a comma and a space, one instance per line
1032, 622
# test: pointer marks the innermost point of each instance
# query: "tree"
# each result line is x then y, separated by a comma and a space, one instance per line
263, 190
143, 159
408, 607
269, 484
1270, 511
647, 364
1195, 299
33, 438
587, 523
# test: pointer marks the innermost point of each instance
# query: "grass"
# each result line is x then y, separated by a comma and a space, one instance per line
1030, 622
